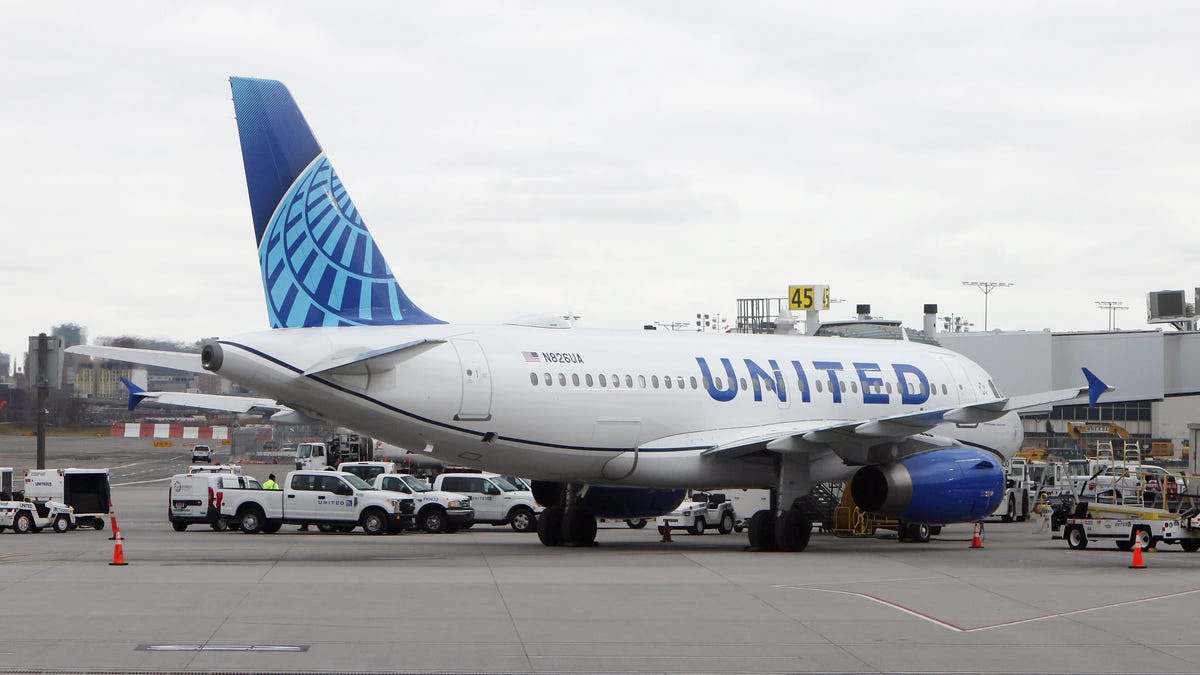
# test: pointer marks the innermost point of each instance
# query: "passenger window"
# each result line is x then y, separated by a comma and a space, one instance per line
629, 381
642, 381
944, 392
549, 380
889, 387
588, 378
562, 380
575, 379
843, 384
800, 386
720, 384
667, 381
854, 387
743, 381
533, 379
604, 381
693, 382
819, 387
654, 381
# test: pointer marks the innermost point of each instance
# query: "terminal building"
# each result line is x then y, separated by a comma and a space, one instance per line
1155, 372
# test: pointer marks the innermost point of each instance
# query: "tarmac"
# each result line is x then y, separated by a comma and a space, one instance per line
492, 600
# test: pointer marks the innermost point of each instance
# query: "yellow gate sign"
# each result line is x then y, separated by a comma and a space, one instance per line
808, 297
163, 444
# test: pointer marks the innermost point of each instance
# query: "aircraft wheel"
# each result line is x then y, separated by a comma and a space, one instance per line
579, 527
549, 526
792, 531
762, 530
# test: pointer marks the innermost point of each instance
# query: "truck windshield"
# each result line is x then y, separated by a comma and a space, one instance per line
505, 485
357, 482
415, 484
304, 451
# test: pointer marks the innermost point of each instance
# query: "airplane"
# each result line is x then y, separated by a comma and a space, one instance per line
608, 423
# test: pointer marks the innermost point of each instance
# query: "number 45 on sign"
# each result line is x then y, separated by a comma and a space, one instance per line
809, 297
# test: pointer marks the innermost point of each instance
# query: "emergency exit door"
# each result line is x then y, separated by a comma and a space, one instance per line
476, 381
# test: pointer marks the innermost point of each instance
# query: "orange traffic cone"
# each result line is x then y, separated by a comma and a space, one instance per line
1138, 563
116, 529
977, 539
666, 533
119, 553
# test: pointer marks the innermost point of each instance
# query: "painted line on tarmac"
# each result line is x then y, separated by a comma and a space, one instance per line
142, 482
1005, 624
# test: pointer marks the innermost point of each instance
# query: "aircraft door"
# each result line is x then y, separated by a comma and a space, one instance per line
958, 383
476, 381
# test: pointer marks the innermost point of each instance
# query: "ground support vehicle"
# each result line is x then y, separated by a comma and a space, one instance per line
6, 485
344, 446
1017, 500
25, 517
495, 500
705, 510
193, 498
201, 453
1125, 524
216, 468
436, 511
327, 499
86, 491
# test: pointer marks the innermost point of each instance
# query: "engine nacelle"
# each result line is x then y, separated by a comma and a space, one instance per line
614, 502
951, 485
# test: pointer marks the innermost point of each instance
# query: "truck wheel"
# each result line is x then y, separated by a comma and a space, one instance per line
1012, 508
726, 525
433, 521
22, 523
1190, 545
97, 523
179, 527
1143, 538
271, 528
698, 526
523, 520
251, 520
219, 525
62, 524
1076, 537
374, 521
1124, 544
635, 523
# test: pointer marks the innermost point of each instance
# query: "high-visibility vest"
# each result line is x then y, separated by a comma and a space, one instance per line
270, 485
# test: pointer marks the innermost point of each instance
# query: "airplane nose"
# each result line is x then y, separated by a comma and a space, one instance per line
211, 356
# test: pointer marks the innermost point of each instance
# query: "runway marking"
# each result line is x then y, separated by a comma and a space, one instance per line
142, 482
222, 648
1005, 624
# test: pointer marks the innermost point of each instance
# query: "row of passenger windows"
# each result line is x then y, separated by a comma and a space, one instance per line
680, 382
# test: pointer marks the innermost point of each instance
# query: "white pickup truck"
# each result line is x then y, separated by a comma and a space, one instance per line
495, 500
341, 501
436, 511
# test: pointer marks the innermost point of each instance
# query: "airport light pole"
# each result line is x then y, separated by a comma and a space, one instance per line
987, 287
1111, 306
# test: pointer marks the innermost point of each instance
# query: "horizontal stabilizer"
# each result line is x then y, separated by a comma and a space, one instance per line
186, 361
235, 404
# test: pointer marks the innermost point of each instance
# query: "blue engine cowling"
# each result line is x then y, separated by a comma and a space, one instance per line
614, 502
951, 485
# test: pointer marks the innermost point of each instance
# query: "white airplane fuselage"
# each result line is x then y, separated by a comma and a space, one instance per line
634, 408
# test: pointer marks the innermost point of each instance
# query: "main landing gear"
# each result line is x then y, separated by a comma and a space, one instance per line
568, 523
787, 531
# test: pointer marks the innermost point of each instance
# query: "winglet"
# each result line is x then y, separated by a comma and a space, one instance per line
1096, 387
136, 393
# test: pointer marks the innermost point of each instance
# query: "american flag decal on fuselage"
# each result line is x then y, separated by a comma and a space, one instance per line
531, 357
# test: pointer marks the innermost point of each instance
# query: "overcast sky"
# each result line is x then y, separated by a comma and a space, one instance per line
626, 162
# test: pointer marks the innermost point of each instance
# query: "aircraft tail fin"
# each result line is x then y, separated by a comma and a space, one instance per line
320, 265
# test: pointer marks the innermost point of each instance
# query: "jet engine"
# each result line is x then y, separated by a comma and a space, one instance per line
949, 485
614, 502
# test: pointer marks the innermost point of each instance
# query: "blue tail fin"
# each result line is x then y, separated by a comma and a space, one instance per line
136, 393
320, 265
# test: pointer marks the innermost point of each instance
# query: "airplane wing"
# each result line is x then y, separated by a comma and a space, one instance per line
856, 441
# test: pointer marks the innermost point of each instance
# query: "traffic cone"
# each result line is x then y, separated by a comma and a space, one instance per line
119, 553
666, 533
1138, 563
977, 539
116, 528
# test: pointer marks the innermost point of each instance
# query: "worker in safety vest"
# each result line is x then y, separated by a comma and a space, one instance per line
271, 484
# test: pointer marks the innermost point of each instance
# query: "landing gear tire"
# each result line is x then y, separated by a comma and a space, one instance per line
726, 524
1076, 537
549, 526
792, 531
915, 532
762, 530
578, 527
697, 526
